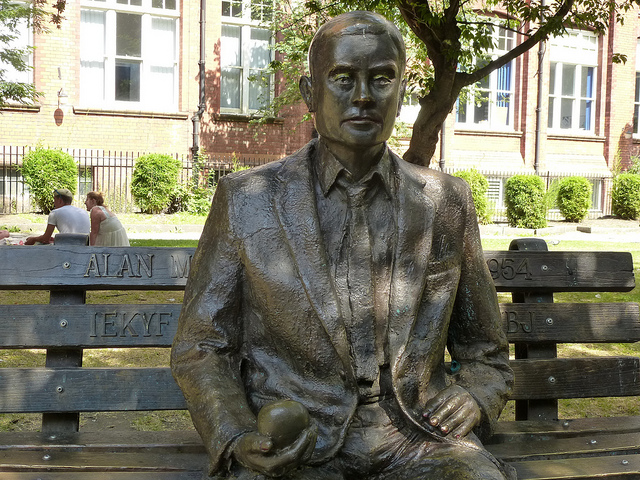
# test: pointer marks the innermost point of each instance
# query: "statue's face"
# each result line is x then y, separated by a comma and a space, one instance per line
357, 90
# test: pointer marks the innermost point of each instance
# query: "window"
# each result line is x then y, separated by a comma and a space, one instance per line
129, 54
571, 82
23, 41
495, 192
488, 103
245, 48
85, 181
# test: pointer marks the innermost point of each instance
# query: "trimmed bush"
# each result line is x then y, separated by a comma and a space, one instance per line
479, 187
524, 196
154, 181
574, 198
625, 196
43, 170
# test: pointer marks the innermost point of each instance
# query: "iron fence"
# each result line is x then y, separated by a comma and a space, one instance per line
109, 172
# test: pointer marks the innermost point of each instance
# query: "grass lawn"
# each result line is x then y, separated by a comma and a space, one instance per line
152, 357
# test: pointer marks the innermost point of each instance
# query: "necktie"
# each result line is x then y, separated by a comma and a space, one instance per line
361, 287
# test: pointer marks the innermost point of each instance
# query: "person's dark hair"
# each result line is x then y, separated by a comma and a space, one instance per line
97, 197
356, 23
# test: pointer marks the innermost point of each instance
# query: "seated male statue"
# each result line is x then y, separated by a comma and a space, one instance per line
335, 280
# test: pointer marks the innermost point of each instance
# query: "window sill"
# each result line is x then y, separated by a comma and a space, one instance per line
486, 133
244, 117
576, 137
129, 113
20, 108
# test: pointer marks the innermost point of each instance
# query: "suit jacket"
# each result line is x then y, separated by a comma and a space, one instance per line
260, 319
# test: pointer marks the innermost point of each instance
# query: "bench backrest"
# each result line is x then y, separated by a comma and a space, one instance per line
67, 325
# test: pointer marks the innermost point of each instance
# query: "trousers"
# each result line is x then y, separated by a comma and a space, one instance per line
381, 445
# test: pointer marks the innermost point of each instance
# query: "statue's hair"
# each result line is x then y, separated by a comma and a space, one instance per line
358, 22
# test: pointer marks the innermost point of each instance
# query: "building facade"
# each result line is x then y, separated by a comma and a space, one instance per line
124, 75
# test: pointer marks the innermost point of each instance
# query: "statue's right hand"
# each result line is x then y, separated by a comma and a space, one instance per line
256, 452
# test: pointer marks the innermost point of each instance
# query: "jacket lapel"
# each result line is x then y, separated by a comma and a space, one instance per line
415, 211
296, 209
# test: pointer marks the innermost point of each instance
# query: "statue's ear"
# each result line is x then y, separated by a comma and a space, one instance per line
403, 90
306, 91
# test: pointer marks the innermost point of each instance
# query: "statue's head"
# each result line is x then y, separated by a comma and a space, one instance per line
355, 90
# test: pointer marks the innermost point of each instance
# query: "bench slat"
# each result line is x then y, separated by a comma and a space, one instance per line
88, 389
103, 461
605, 467
568, 447
161, 268
94, 268
576, 378
187, 441
83, 475
571, 322
561, 271
536, 430
88, 326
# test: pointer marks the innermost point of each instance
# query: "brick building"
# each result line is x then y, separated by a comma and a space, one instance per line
559, 110
123, 75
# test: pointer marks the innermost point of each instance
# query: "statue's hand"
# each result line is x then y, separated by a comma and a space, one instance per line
453, 411
257, 452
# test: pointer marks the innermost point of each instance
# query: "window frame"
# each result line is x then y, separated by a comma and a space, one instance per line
497, 120
245, 23
577, 50
148, 59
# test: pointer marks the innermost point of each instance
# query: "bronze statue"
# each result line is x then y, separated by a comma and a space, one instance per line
326, 288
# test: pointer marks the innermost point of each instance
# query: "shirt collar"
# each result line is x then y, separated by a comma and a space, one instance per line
328, 169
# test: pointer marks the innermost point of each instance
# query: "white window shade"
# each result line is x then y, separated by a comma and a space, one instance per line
92, 56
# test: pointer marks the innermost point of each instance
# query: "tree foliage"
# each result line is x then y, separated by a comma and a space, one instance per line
445, 41
13, 15
44, 170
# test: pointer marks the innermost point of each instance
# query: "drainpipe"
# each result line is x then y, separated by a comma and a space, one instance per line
541, 50
201, 105
536, 159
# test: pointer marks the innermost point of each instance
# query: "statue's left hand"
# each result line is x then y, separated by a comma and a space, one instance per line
256, 452
453, 411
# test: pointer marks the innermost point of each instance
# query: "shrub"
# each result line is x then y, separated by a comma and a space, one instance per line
43, 170
154, 181
479, 186
574, 198
625, 196
524, 196
193, 200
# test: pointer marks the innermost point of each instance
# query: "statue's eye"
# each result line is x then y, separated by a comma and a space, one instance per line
382, 79
342, 78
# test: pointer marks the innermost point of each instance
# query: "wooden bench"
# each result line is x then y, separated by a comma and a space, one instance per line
537, 444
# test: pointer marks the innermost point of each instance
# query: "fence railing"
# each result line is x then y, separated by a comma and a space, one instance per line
109, 172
